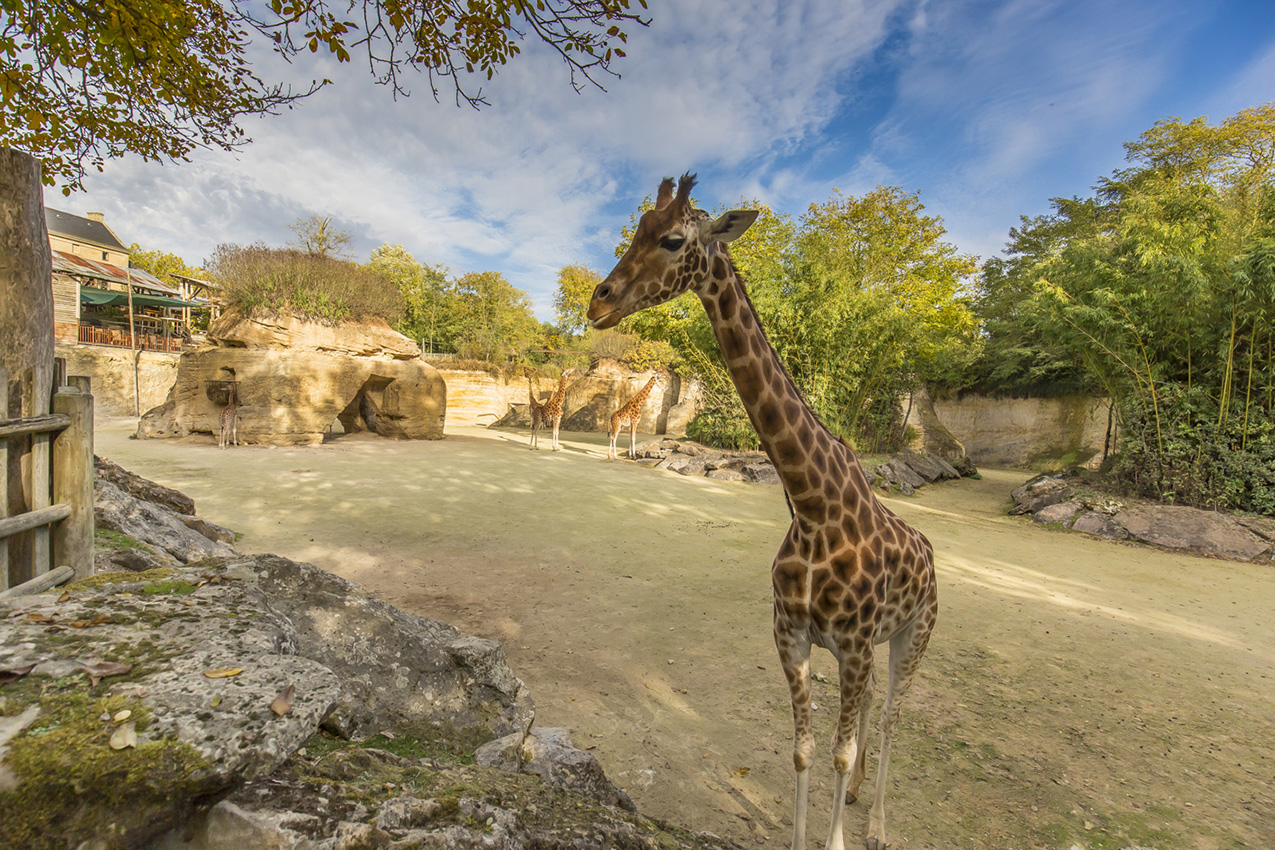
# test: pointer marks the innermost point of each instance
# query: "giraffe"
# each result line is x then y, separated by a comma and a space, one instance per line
537, 412
228, 423
552, 409
849, 574
629, 414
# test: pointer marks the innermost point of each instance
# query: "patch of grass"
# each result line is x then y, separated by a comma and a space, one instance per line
120, 577
119, 540
178, 587
72, 786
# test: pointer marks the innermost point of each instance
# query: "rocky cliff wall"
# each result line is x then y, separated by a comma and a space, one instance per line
111, 370
1024, 432
292, 380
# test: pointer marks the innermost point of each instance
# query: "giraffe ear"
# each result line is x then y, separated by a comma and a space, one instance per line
730, 226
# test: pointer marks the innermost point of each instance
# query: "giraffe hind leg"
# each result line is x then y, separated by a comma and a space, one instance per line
855, 667
906, 648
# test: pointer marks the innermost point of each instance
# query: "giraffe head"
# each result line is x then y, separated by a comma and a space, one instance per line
672, 251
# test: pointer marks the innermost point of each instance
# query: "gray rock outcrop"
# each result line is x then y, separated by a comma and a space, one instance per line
1060, 499
548, 753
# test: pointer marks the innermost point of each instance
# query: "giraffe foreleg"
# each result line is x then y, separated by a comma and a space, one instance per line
794, 657
633, 440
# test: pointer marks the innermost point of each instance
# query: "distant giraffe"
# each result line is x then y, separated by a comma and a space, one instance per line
552, 409
537, 412
629, 414
228, 423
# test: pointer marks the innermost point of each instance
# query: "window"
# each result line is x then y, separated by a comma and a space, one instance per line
103, 255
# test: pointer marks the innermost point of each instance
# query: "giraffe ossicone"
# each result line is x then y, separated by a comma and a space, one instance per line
849, 574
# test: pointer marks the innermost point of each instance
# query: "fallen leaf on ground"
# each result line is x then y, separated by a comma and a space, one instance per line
742, 771
122, 715
13, 673
223, 672
96, 621
37, 617
103, 669
66, 594
283, 703
216, 701
125, 736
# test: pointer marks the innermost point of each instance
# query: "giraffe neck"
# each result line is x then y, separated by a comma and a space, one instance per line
791, 435
637, 400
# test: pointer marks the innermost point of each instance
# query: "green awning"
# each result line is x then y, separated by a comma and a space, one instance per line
103, 297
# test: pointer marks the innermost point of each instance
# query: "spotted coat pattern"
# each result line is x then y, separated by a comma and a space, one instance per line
552, 409
537, 412
849, 574
628, 416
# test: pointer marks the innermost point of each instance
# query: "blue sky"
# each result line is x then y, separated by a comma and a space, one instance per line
986, 109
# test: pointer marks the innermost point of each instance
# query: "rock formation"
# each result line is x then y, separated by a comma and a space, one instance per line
292, 380
1063, 499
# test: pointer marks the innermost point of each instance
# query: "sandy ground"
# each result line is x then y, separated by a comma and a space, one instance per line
1076, 693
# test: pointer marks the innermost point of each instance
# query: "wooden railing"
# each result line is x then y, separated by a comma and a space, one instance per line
91, 335
56, 529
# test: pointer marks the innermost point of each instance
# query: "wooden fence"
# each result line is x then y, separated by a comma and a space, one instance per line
91, 335
55, 455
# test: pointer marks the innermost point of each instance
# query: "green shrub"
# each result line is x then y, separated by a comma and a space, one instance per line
256, 280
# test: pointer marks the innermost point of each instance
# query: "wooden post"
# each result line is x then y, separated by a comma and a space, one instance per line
83, 383
132, 344
4, 478
73, 482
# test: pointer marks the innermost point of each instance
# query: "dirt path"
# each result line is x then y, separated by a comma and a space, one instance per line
1077, 692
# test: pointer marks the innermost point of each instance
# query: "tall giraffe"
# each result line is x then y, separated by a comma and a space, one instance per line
537, 411
552, 409
629, 414
849, 574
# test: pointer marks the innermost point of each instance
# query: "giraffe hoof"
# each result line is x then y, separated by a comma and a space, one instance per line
874, 843
851, 797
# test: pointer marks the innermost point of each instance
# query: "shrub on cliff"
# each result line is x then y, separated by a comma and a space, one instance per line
259, 280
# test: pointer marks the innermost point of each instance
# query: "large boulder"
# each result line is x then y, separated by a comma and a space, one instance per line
1181, 527
592, 398
293, 380
226, 669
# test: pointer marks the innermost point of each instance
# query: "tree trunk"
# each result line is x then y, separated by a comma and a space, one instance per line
26, 320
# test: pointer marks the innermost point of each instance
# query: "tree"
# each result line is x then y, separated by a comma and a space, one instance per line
494, 318
1162, 289
317, 237
571, 301
162, 264
81, 83
429, 301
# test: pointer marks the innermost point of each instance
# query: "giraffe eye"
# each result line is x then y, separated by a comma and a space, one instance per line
672, 243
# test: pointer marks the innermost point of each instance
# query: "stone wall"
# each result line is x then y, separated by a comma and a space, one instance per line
111, 371
477, 398
1024, 432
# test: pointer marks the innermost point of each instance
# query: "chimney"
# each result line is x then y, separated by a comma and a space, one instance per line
96, 216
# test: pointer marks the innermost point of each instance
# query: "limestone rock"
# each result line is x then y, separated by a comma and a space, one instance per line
151, 523
1101, 524
214, 732
964, 466
1039, 492
549, 754
398, 671
1062, 512
143, 488
725, 474
293, 380
761, 471
898, 473
929, 467
324, 804
1179, 527
936, 439
362, 339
